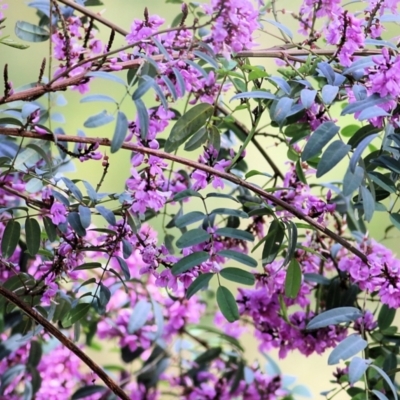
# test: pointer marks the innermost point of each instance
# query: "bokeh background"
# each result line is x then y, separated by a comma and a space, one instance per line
24, 68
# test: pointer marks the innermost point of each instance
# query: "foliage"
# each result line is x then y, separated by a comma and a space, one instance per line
287, 259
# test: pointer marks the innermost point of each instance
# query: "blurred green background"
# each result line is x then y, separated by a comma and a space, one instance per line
24, 68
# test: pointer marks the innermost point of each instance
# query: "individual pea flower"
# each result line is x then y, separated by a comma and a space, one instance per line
58, 213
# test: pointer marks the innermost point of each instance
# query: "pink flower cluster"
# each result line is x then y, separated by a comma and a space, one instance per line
381, 275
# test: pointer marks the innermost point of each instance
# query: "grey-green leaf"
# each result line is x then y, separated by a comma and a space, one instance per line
30, 33
227, 304
192, 237
332, 156
321, 136
121, 128
334, 316
189, 218
139, 316
238, 275
239, 257
347, 348
102, 118
107, 214
235, 234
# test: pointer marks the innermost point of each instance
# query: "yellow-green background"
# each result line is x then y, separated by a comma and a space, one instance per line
24, 68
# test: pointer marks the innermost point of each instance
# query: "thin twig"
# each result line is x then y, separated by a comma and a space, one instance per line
91, 14
193, 164
32, 313
246, 132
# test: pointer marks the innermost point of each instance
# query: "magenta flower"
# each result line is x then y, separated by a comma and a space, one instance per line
58, 213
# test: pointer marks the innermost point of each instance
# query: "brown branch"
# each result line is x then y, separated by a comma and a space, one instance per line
91, 14
254, 141
33, 314
193, 164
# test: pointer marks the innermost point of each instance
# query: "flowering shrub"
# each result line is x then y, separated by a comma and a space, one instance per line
288, 260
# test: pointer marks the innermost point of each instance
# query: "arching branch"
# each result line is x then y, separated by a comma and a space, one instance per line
33, 314
193, 164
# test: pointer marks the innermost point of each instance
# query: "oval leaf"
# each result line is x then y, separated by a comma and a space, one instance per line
139, 316
240, 257
347, 348
238, 275
227, 304
334, 317
192, 237
331, 157
121, 128
201, 282
190, 261
188, 125
293, 279
10, 238
32, 230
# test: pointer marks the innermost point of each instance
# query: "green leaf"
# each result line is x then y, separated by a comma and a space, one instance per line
196, 140
254, 172
124, 267
30, 33
32, 230
238, 275
187, 125
331, 157
76, 314
143, 87
273, 242
50, 229
184, 194
384, 375
386, 317
293, 279
121, 128
87, 391
235, 234
10, 238
322, 135
189, 218
214, 137
227, 304
190, 261
15, 45
192, 237
89, 265
240, 257
35, 353
199, 283
231, 212
347, 348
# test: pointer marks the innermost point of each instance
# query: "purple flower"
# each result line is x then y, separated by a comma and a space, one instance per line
58, 213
